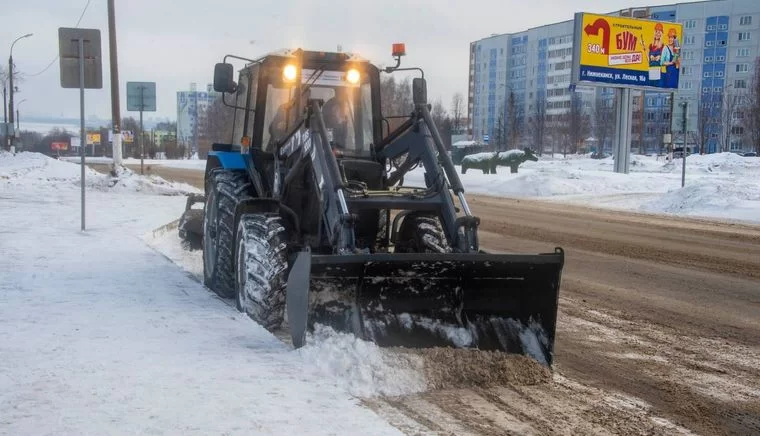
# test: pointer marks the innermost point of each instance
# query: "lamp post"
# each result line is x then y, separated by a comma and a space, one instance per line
10, 79
685, 106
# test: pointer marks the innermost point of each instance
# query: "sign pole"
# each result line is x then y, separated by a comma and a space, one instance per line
82, 142
622, 150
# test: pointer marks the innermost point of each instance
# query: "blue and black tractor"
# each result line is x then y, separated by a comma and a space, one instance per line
307, 218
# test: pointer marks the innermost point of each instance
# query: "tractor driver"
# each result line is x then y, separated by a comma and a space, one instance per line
337, 115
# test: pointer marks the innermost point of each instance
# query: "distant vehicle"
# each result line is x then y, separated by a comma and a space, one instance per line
678, 152
750, 154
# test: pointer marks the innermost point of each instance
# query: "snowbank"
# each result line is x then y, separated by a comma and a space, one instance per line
721, 185
35, 169
361, 367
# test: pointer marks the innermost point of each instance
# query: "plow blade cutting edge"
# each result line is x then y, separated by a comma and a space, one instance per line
505, 302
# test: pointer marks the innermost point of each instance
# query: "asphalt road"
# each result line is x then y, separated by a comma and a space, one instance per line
658, 330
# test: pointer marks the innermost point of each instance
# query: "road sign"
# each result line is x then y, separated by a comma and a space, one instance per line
626, 52
68, 40
486, 138
141, 96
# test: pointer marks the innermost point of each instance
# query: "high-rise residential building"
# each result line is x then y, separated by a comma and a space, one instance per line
191, 109
530, 72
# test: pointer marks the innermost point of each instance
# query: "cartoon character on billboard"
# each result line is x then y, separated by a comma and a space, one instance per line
655, 56
671, 60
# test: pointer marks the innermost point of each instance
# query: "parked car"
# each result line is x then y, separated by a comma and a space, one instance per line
750, 154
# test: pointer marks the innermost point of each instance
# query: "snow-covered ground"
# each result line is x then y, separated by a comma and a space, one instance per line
101, 334
723, 186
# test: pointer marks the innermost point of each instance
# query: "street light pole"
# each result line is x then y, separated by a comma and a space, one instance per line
683, 128
10, 80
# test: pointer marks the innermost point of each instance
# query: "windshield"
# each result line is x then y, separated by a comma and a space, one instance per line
347, 110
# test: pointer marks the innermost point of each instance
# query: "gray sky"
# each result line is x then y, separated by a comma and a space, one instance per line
177, 42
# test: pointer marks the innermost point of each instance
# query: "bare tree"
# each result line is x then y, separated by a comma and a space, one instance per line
604, 121
578, 123
729, 103
751, 119
457, 109
537, 123
442, 122
704, 123
514, 126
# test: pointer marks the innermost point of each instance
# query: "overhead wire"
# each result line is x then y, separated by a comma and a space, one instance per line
58, 55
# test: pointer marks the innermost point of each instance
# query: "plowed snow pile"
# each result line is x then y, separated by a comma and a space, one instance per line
38, 170
366, 370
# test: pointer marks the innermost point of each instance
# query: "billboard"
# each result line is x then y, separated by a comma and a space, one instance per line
626, 52
57, 146
93, 138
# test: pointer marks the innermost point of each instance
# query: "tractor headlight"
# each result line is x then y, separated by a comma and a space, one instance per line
289, 73
353, 76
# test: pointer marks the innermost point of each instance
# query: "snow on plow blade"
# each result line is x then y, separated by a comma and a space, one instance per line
505, 302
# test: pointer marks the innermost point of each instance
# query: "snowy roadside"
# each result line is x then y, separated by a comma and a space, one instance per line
722, 186
103, 335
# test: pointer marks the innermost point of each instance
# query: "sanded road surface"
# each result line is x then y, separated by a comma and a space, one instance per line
658, 329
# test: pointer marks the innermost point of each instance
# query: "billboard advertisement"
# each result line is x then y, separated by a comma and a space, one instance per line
626, 52
57, 146
93, 138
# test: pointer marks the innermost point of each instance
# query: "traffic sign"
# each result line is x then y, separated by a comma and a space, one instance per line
141, 96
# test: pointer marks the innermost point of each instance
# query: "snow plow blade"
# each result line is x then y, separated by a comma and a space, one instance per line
505, 302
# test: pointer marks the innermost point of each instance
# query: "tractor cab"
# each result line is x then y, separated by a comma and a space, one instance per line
273, 94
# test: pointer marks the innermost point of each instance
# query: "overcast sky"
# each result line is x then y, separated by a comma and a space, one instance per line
175, 42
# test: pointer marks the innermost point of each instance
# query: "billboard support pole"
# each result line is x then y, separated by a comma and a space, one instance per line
622, 150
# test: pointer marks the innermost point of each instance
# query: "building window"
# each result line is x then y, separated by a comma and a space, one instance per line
690, 24
720, 59
686, 71
744, 36
745, 20
706, 75
708, 59
719, 74
709, 43
687, 85
742, 68
688, 55
721, 43
689, 39
705, 90
723, 27
717, 89
711, 28
742, 52
737, 130
740, 84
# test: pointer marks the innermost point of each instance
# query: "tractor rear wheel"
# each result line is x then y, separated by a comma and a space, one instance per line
224, 190
261, 249
421, 233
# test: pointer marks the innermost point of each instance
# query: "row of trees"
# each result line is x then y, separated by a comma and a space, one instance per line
730, 116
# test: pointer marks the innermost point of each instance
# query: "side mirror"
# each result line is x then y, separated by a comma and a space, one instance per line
223, 78
419, 91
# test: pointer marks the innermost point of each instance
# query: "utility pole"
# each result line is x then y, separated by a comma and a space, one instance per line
10, 84
115, 115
